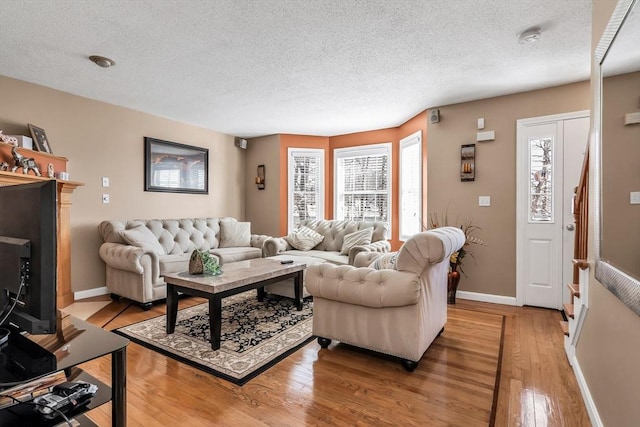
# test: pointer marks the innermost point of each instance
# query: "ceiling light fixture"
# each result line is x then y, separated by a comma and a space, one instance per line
529, 36
101, 61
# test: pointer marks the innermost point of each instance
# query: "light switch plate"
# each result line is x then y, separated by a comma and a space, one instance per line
484, 201
481, 123
634, 198
105, 198
105, 181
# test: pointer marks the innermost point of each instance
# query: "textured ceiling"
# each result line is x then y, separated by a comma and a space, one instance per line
316, 67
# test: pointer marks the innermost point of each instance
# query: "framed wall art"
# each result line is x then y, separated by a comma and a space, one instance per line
175, 168
468, 162
40, 141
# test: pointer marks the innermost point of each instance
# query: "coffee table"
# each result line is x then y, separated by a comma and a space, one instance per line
237, 277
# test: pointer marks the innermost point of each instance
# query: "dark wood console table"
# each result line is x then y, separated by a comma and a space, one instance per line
89, 342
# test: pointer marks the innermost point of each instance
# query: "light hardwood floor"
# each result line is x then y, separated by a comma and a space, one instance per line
536, 384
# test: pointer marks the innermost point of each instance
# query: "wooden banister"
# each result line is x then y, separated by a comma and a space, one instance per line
581, 215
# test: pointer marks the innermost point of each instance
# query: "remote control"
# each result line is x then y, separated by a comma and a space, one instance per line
287, 261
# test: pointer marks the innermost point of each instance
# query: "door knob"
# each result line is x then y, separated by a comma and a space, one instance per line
570, 227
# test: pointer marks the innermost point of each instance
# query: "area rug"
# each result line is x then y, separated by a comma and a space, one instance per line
255, 335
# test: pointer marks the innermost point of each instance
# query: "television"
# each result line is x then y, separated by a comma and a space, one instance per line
28, 244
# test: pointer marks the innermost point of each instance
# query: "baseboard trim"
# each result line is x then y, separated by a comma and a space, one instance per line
586, 394
495, 299
96, 292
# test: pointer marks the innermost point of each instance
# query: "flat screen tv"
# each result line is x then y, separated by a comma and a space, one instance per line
28, 221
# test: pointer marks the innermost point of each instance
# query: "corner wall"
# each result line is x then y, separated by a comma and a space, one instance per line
608, 351
494, 271
99, 140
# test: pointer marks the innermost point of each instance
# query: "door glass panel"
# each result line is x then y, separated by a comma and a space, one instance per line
541, 180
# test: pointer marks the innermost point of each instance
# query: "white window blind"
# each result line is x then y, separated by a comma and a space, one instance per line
410, 185
305, 186
363, 183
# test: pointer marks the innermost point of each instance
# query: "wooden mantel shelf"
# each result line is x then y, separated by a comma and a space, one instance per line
65, 189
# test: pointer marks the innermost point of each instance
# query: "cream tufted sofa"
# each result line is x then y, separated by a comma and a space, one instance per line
329, 249
138, 253
398, 311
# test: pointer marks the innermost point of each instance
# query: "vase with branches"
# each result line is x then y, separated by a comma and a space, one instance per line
470, 231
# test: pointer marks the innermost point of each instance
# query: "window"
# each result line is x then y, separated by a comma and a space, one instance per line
363, 183
541, 180
410, 185
306, 185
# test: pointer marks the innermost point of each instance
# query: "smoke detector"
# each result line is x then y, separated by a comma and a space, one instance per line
529, 36
102, 61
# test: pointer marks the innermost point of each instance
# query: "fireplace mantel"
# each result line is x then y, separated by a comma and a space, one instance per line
65, 189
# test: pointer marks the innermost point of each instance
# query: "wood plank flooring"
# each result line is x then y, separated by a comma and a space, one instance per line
344, 386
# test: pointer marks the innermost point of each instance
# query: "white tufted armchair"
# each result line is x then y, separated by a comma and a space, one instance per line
397, 311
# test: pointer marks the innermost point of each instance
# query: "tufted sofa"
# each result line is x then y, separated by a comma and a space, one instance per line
328, 250
397, 307
138, 253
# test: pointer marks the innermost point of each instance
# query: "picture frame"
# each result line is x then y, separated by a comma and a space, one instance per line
468, 162
172, 167
40, 140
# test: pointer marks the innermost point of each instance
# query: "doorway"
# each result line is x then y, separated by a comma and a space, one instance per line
550, 152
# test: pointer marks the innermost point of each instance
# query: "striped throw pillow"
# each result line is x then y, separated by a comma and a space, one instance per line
360, 237
385, 262
304, 238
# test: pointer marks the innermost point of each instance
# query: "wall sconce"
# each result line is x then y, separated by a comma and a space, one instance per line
260, 177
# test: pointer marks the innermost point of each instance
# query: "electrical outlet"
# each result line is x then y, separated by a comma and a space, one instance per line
105, 198
105, 181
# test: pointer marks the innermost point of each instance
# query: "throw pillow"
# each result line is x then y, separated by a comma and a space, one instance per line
304, 238
235, 234
142, 237
360, 237
385, 262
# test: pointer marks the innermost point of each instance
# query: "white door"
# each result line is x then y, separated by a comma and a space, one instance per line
550, 154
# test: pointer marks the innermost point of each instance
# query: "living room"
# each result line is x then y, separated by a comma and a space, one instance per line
105, 140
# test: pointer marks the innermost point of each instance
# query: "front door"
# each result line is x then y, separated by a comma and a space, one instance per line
550, 152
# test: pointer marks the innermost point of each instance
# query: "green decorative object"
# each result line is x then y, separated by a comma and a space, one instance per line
202, 262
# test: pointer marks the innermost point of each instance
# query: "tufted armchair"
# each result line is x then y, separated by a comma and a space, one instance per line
139, 253
398, 310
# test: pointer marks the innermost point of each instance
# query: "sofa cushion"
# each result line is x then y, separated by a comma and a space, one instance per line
385, 261
357, 238
233, 234
303, 238
174, 263
333, 257
227, 255
142, 237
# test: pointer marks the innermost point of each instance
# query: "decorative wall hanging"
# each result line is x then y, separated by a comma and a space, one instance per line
175, 168
260, 177
468, 162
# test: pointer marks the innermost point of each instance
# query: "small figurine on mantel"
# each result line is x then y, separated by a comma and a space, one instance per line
4, 166
23, 162
8, 139
50, 172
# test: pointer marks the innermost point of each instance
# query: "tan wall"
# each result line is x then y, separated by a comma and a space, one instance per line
262, 206
104, 140
495, 270
608, 352
621, 161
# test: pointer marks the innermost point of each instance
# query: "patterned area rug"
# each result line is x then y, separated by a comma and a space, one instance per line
255, 335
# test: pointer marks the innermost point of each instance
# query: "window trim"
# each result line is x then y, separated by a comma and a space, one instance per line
312, 152
362, 150
408, 141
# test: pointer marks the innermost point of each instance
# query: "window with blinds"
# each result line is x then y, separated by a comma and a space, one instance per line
305, 185
410, 185
363, 183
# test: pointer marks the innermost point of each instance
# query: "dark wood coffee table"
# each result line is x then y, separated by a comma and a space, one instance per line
237, 277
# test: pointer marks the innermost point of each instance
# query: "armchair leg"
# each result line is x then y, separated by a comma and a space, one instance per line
409, 365
324, 342
115, 297
146, 305
441, 331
